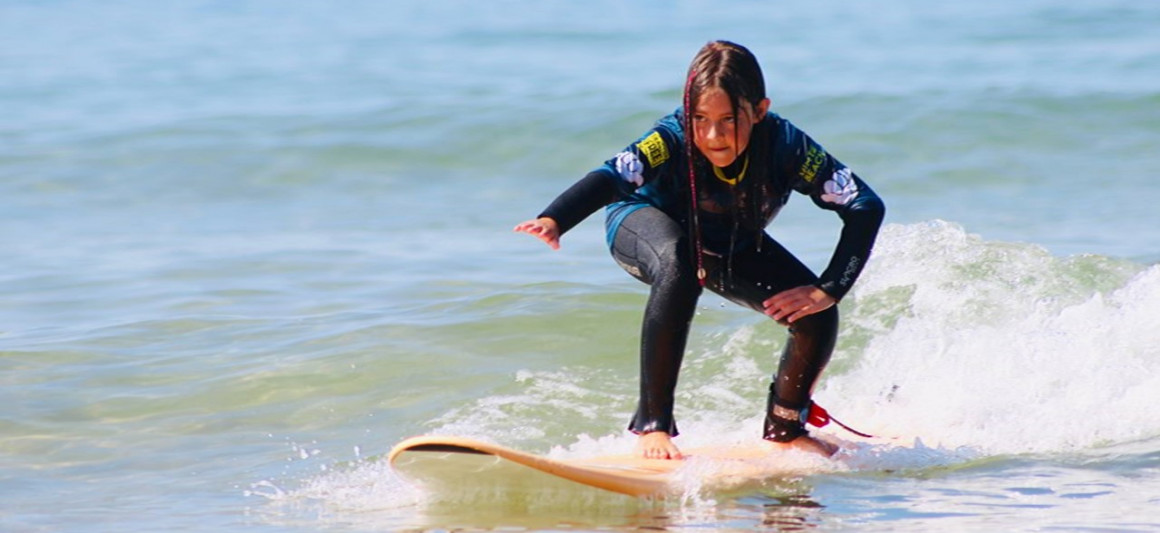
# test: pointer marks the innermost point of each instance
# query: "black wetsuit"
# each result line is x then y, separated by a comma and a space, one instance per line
646, 191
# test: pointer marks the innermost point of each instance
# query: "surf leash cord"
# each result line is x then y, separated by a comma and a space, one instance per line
817, 416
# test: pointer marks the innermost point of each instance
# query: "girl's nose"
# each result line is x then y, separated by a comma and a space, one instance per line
713, 131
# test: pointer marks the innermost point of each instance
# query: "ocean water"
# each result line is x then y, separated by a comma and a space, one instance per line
252, 245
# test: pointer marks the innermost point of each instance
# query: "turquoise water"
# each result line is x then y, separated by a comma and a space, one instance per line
250, 246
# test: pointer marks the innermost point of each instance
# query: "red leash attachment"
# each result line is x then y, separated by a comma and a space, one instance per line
819, 417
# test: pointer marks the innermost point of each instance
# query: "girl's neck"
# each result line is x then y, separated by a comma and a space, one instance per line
735, 172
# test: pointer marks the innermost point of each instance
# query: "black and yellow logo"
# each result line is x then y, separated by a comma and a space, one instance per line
654, 150
814, 158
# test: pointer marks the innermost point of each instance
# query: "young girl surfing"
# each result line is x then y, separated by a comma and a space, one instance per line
687, 206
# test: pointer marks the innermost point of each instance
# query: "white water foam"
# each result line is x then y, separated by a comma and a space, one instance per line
1001, 347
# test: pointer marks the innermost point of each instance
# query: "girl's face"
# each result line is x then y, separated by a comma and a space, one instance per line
718, 133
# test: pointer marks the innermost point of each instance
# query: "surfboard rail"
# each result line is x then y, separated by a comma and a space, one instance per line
728, 467
623, 474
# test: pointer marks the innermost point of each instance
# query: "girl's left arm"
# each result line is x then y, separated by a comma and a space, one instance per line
861, 211
834, 187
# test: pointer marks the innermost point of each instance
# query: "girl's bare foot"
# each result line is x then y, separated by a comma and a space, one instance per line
807, 443
657, 445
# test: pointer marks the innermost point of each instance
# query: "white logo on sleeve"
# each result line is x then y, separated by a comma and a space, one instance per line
840, 188
629, 167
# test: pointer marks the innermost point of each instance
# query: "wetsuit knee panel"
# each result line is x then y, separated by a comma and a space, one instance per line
671, 264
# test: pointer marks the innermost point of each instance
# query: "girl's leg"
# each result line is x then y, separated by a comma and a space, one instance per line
806, 354
653, 248
753, 277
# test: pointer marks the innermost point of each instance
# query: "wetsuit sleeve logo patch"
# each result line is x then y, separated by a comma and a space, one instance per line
841, 189
654, 149
629, 168
815, 156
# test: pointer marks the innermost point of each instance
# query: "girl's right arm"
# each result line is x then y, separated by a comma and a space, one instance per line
592, 192
630, 169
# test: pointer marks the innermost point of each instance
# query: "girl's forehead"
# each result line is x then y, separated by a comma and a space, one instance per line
716, 100
714, 96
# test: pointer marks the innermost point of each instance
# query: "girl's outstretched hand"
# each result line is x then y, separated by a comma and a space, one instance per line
788, 306
542, 228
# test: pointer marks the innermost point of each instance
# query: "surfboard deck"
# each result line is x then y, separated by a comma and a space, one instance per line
455, 459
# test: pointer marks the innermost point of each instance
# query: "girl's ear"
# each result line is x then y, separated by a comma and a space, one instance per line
762, 108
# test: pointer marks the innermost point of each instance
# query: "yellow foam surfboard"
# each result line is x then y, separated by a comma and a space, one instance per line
458, 460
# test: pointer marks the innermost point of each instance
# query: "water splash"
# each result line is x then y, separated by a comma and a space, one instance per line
1001, 346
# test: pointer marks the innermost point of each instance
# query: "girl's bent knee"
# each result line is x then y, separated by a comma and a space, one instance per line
820, 323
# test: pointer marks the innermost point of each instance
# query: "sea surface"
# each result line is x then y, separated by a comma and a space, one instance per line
250, 246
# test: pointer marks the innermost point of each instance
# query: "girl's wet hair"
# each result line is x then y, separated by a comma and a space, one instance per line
733, 69
727, 66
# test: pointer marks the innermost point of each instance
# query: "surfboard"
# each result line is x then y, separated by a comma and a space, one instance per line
457, 460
